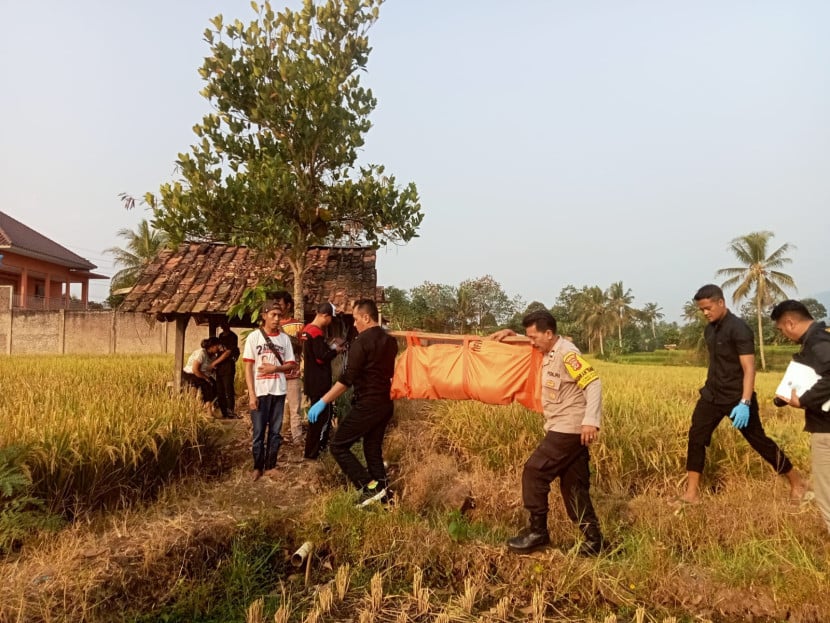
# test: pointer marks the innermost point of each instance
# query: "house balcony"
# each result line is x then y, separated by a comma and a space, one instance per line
43, 303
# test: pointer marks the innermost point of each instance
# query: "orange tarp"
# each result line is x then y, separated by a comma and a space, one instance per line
474, 369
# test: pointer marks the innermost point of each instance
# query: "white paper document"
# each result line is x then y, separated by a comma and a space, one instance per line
800, 378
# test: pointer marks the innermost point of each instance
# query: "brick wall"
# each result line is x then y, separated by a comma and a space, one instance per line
88, 332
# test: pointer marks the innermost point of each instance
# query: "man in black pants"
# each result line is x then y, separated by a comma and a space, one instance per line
318, 355
729, 390
369, 370
571, 394
225, 366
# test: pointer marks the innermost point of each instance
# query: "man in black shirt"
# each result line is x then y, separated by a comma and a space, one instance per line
225, 366
794, 320
318, 355
729, 390
369, 370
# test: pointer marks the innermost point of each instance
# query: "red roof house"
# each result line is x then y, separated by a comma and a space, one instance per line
39, 270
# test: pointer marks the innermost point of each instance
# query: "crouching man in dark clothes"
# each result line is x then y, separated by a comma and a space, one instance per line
369, 370
572, 405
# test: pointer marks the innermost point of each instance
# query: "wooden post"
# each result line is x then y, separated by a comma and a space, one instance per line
24, 288
113, 332
62, 332
178, 357
163, 332
7, 294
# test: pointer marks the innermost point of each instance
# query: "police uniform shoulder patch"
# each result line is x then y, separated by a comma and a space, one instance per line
579, 370
572, 360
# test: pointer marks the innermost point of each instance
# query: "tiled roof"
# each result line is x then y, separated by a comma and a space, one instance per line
209, 278
25, 240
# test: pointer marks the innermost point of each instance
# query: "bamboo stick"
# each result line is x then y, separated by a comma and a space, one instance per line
455, 337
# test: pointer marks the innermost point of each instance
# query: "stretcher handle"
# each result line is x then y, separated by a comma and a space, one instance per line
455, 337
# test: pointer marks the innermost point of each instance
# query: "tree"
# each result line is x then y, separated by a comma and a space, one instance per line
691, 312
434, 307
274, 165
650, 314
815, 307
515, 322
619, 304
483, 304
397, 309
757, 276
692, 332
592, 312
143, 245
566, 313
669, 332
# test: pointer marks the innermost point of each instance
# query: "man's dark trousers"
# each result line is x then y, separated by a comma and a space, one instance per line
368, 423
705, 419
560, 455
317, 436
225, 392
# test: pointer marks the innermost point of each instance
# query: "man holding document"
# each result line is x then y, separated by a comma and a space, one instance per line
810, 392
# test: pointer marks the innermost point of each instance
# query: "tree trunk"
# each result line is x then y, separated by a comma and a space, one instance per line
760, 331
653, 330
298, 267
601, 345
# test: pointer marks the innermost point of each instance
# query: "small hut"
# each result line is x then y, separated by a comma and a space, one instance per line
203, 280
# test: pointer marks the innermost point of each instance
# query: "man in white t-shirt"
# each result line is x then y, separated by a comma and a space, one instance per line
267, 356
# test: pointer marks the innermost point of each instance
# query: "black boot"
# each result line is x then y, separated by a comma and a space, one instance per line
532, 538
594, 543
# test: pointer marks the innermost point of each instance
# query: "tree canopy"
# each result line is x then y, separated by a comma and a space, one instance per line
584, 315
275, 163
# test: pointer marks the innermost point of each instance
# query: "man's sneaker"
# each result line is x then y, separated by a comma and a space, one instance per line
372, 493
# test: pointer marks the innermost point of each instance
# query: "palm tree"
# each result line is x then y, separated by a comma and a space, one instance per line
651, 313
593, 313
464, 310
695, 325
691, 312
619, 303
142, 246
757, 275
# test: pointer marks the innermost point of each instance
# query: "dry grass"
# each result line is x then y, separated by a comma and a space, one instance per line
744, 554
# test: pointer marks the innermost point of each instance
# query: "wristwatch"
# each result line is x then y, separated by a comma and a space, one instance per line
746, 402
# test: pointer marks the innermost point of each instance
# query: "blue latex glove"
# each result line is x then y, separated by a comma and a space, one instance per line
318, 407
740, 415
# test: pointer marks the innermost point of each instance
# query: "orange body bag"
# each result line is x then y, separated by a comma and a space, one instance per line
475, 369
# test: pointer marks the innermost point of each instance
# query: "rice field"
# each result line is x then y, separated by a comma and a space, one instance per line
91, 426
98, 431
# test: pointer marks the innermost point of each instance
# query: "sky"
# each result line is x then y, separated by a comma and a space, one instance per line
552, 142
